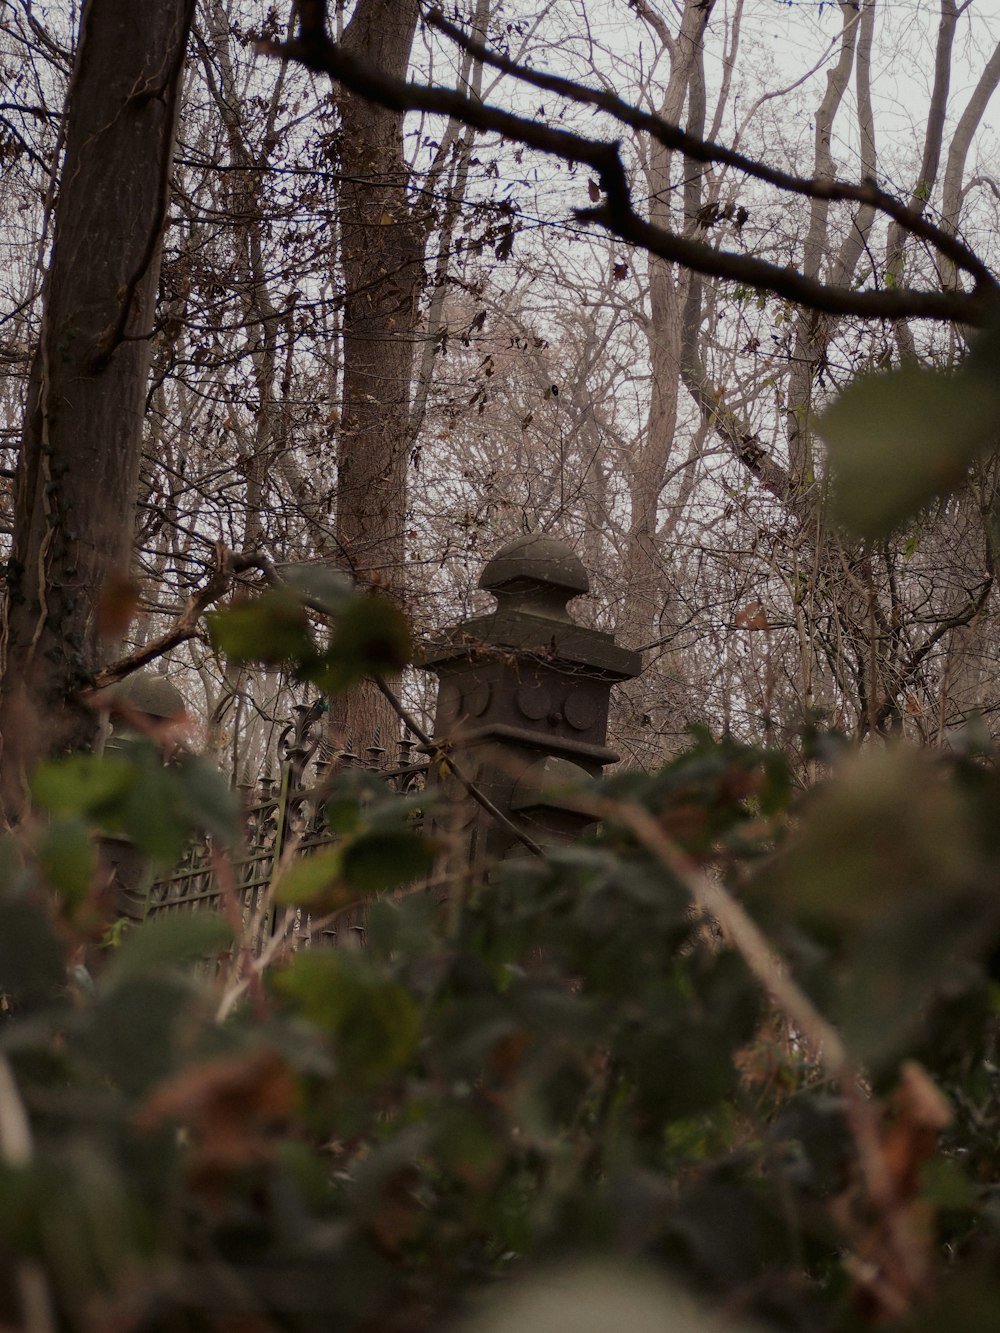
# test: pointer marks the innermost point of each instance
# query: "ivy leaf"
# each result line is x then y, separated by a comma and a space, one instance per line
896, 441
272, 628
156, 813
375, 1020
170, 941
883, 874
213, 804
371, 638
82, 784
326, 588
385, 859
68, 859
314, 881
31, 963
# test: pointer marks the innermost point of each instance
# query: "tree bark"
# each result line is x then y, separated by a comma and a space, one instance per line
382, 245
811, 331
81, 441
647, 610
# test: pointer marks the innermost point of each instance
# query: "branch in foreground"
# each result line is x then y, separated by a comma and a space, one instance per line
314, 49
227, 565
701, 150
741, 930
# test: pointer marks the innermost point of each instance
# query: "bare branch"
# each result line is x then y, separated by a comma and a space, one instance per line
314, 49
185, 627
671, 136
968, 613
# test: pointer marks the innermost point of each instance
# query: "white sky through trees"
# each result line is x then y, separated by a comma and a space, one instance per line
545, 403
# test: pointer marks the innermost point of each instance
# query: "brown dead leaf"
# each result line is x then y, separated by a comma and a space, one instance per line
896, 1252
686, 822
230, 1108
505, 1057
398, 1216
751, 616
119, 603
921, 1100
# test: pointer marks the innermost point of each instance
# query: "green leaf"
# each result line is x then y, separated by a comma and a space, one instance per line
214, 805
380, 860
343, 813
896, 441
156, 813
375, 1020
884, 875
272, 628
31, 961
326, 588
83, 784
314, 880
371, 638
944, 1184
68, 859
142, 1021
887, 831
170, 941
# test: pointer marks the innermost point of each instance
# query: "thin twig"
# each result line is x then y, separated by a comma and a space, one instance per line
314, 49
701, 150
227, 565
442, 754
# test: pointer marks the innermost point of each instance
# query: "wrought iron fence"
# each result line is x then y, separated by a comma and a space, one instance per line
523, 701
283, 818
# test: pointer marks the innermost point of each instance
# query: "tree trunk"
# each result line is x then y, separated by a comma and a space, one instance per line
382, 243
81, 440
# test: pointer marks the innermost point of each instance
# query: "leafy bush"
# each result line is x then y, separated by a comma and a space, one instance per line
573, 1062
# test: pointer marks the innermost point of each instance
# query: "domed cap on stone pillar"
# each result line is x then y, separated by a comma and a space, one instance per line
536, 574
524, 693
147, 694
532, 579
150, 693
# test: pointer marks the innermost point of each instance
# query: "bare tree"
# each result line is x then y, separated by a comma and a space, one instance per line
382, 238
80, 450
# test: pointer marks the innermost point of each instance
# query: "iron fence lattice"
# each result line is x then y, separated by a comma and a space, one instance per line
291, 822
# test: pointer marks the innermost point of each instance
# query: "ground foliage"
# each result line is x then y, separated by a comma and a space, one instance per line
740, 1040
567, 1064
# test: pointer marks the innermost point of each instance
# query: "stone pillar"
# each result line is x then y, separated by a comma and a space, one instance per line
523, 706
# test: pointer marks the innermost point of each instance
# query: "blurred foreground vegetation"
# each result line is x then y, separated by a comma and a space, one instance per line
573, 1064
